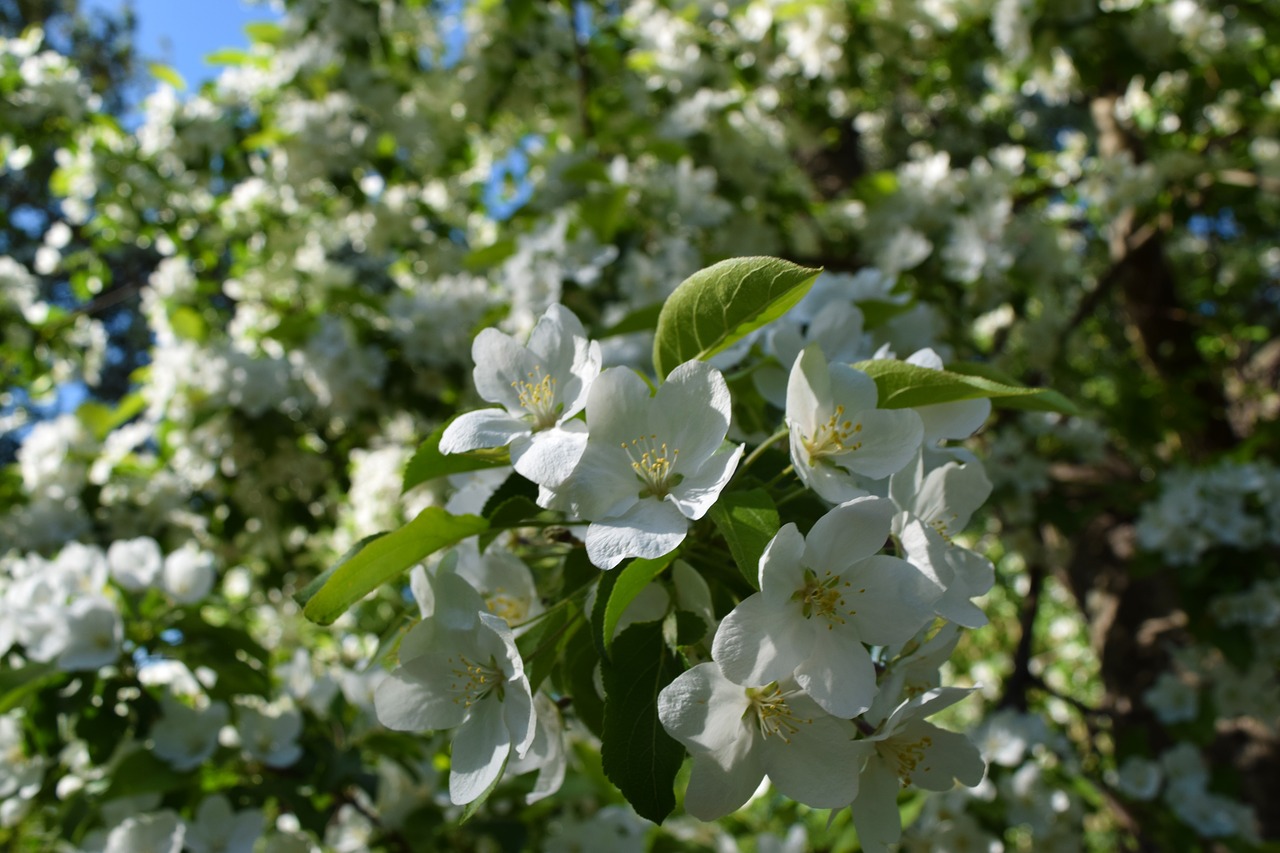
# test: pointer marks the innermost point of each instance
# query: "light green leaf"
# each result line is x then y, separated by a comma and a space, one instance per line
379, 559
902, 385
265, 32
227, 56
428, 462
631, 580
718, 306
165, 74
637, 753
747, 521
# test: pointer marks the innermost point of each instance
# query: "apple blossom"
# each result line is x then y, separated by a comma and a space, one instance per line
652, 464
540, 385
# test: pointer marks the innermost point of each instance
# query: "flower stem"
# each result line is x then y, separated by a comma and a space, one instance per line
764, 445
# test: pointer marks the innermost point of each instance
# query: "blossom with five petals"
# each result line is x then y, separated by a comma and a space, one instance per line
459, 669
821, 597
652, 462
540, 385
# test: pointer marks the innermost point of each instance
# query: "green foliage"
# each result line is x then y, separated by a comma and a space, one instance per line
902, 385
716, 307
747, 521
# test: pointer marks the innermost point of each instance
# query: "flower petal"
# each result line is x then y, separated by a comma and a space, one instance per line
702, 709
949, 757
695, 404
955, 420
891, 598
816, 763
851, 532
875, 810
549, 457
648, 529
887, 441
406, 703
719, 783
479, 749
852, 388
481, 428
699, 491
760, 641
501, 365
838, 675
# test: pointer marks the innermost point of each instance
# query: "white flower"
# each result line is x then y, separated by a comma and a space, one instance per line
935, 506
185, 736
910, 751
94, 633
159, 832
135, 563
459, 668
737, 735
652, 463
503, 581
540, 386
838, 434
188, 574
820, 599
547, 752
270, 733
217, 829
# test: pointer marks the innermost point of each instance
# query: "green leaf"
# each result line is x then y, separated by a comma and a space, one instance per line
165, 74
265, 32
638, 754
902, 385
141, 772
631, 580
747, 521
18, 684
478, 260
188, 324
577, 679
428, 462
1038, 399
717, 306
227, 56
541, 645
383, 558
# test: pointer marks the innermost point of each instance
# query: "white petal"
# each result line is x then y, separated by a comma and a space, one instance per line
949, 757
518, 714
479, 429
549, 457
479, 749
618, 407
875, 810
702, 709
892, 600
694, 404
838, 675
849, 533
817, 763
719, 783
406, 703
648, 529
501, 364
699, 491
888, 440
602, 484
808, 394
759, 641
955, 420
852, 388
781, 564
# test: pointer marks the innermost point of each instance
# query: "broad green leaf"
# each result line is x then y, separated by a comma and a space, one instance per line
165, 74
227, 56
1040, 400
631, 580
383, 558
747, 521
576, 678
428, 462
511, 513
101, 419
188, 324
902, 385
478, 260
638, 754
718, 306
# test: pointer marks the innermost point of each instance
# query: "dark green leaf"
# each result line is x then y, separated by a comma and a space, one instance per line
718, 306
747, 521
17, 684
901, 385
631, 580
638, 754
352, 578
141, 772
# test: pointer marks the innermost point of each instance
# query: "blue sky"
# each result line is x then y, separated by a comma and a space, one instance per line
180, 33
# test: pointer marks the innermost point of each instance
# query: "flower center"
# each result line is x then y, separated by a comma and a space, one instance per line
654, 464
832, 438
511, 608
475, 681
905, 755
537, 395
824, 596
774, 716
